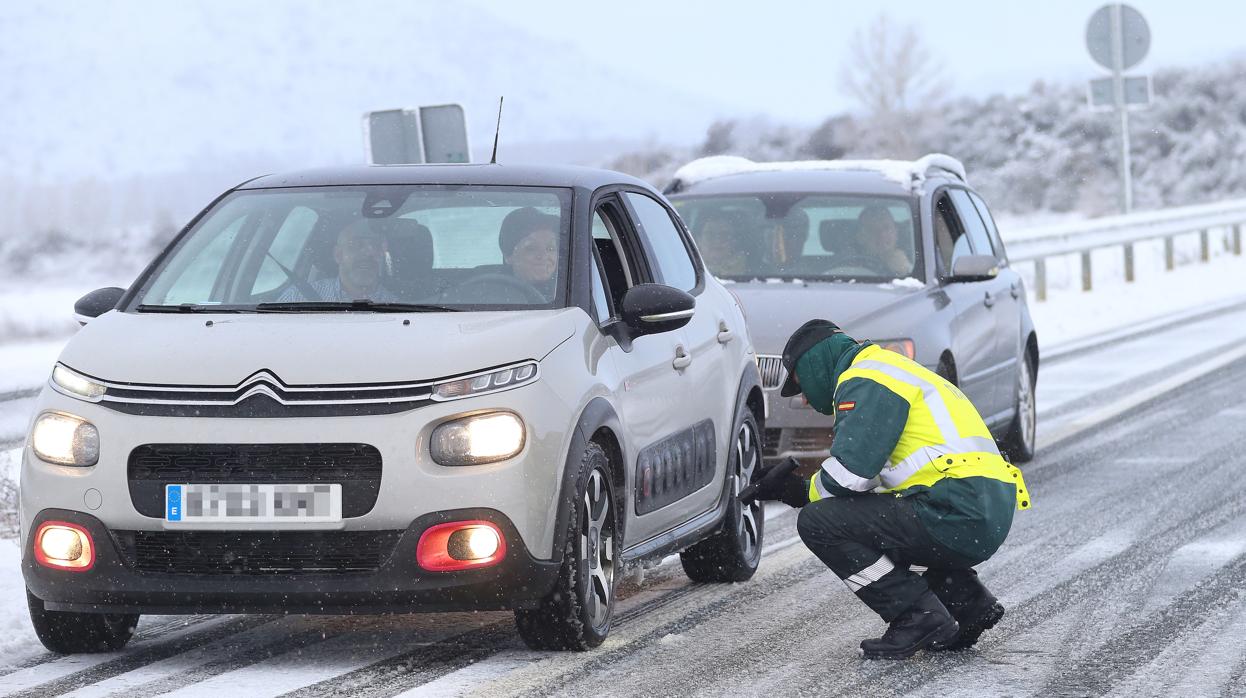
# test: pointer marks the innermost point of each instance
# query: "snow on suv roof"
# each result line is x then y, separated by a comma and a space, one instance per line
907, 173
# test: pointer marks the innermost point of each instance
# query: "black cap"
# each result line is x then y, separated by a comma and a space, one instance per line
801, 341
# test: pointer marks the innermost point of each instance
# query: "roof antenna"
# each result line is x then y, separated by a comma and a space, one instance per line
494, 160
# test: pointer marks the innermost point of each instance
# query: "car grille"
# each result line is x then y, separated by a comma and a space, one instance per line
357, 467
256, 552
780, 441
772, 371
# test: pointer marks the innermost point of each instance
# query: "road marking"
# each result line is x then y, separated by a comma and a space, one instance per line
461, 681
1112, 410
1189, 564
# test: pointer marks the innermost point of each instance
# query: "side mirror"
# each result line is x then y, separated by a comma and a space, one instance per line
96, 303
654, 308
974, 267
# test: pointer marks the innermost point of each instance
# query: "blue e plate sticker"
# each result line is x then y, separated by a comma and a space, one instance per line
173, 502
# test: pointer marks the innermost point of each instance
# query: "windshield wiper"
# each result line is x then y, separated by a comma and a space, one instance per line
347, 306
189, 308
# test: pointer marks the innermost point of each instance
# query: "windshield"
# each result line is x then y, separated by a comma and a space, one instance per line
805, 236
370, 247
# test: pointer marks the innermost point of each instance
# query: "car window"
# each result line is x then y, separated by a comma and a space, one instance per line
612, 253
476, 247
949, 235
601, 304
285, 249
807, 236
991, 230
674, 264
974, 226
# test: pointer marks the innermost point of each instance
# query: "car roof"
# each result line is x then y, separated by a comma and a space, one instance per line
840, 182
496, 174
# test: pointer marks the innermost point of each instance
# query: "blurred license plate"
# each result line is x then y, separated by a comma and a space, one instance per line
260, 503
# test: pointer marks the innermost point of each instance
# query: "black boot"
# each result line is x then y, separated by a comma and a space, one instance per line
925, 625
975, 619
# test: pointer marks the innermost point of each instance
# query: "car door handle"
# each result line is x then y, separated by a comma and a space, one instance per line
724, 333
989, 300
682, 359
1016, 290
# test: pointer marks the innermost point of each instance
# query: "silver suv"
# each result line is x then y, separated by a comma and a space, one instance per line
392, 389
902, 253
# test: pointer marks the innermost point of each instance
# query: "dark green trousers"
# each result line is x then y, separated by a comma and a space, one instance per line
883, 552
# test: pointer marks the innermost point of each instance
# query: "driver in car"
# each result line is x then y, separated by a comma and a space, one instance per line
529, 242
360, 256
879, 236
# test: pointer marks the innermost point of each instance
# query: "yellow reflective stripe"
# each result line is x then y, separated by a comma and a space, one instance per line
930, 394
815, 489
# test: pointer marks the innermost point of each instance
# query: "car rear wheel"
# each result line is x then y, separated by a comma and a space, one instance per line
575, 615
66, 632
732, 554
1018, 445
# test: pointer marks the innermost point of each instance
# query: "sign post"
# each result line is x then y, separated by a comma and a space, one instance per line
429, 134
1118, 38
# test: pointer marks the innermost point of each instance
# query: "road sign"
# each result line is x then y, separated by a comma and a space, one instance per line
1137, 92
1133, 32
436, 133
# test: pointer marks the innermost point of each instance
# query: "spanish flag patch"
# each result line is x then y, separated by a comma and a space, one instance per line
845, 406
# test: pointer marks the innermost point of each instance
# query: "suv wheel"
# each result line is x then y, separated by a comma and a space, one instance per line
576, 613
732, 554
1018, 445
66, 632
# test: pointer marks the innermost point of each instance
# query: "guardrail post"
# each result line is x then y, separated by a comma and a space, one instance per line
1204, 245
1169, 255
1040, 279
1129, 262
1237, 239
1086, 271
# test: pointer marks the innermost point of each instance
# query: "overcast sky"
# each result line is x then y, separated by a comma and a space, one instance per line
782, 57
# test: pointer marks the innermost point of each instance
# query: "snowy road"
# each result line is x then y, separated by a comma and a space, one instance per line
1125, 578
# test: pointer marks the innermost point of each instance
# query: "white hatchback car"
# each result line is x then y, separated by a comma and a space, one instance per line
396, 388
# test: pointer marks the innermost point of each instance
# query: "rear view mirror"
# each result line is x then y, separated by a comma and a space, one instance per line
96, 303
974, 267
654, 308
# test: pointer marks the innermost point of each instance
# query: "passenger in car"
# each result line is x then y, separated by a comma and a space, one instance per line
359, 253
529, 243
879, 236
724, 249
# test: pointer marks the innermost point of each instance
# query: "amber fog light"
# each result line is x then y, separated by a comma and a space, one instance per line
64, 546
460, 545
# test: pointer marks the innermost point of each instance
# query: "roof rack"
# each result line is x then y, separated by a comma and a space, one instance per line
909, 173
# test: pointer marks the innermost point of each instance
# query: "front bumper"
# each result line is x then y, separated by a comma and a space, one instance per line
795, 429
399, 584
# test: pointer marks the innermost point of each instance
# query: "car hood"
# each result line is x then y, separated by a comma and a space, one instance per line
310, 348
775, 310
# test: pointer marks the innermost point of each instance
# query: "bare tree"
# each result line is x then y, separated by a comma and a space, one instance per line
894, 77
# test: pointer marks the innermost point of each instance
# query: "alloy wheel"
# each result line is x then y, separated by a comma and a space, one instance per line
597, 548
747, 458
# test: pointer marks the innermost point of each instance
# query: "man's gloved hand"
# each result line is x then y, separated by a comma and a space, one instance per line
778, 483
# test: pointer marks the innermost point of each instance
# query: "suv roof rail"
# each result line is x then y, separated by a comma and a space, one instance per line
908, 173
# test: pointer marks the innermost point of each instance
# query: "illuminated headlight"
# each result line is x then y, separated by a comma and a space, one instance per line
510, 377
483, 438
74, 384
903, 347
65, 439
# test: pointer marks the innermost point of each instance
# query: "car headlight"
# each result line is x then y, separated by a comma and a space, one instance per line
491, 382
69, 382
899, 346
65, 439
482, 438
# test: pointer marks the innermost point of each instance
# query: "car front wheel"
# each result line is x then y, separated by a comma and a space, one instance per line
575, 615
66, 632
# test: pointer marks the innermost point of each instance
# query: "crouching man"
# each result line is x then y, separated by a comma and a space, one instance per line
914, 495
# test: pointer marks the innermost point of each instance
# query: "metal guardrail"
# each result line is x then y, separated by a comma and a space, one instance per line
1038, 244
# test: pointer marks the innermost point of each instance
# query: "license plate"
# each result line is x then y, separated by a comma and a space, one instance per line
259, 503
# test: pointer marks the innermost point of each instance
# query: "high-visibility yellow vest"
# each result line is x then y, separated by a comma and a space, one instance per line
943, 437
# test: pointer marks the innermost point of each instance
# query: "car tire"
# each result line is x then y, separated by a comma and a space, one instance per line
576, 614
1018, 444
66, 632
733, 554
